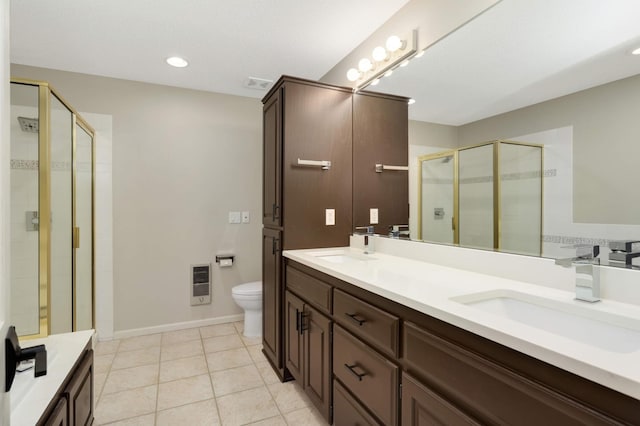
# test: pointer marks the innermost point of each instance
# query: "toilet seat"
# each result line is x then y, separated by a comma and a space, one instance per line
249, 289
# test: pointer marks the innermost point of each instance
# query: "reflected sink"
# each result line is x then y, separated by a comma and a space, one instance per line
341, 256
582, 323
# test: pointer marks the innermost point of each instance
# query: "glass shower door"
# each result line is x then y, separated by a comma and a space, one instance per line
438, 196
83, 236
476, 185
61, 285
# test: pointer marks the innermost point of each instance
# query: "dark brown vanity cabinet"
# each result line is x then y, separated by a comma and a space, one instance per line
380, 140
308, 350
393, 365
73, 405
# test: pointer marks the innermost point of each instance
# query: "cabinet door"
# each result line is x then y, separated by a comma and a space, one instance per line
294, 359
80, 392
317, 353
317, 126
59, 416
380, 136
272, 294
423, 407
272, 161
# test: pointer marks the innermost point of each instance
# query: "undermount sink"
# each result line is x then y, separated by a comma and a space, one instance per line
341, 256
582, 323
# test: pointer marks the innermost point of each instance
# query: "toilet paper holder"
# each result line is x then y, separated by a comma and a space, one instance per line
225, 260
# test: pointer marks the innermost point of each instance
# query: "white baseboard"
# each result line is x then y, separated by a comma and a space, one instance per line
122, 334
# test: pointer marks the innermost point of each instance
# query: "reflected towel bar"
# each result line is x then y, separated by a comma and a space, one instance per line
381, 167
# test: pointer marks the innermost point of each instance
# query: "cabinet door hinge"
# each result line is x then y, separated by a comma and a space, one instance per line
400, 391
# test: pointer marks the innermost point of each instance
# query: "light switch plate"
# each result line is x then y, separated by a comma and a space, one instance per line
245, 217
330, 217
234, 217
373, 216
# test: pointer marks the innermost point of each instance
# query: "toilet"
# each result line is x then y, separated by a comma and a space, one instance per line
249, 297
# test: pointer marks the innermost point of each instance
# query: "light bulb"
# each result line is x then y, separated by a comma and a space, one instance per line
353, 74
178, 62
411, 101
393, 43
379, 54
420, 54
365, 65
375, 82
388, 73
404, 64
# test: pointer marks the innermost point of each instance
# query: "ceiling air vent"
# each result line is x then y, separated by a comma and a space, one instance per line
257, 83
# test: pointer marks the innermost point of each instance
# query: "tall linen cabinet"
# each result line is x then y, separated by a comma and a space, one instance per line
305, 125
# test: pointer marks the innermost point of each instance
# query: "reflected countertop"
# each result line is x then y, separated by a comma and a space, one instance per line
31, 395
437, 290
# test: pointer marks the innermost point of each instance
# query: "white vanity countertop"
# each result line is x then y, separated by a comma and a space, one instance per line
427, 288
31, 395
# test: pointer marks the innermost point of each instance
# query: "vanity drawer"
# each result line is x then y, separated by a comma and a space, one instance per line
368, 375
347, 411
421, 406
312, 290
486, 390
371, 324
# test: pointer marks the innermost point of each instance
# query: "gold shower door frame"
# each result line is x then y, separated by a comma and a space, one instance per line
45, 91
497, 189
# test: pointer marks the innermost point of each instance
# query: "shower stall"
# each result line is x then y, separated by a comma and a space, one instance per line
52, 196
462, 202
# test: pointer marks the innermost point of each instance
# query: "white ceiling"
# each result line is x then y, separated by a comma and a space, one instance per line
517, 53
225, 41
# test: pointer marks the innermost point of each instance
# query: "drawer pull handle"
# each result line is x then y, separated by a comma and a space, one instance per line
354, 317
351, 368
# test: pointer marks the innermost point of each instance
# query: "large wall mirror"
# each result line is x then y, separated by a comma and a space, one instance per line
560, 74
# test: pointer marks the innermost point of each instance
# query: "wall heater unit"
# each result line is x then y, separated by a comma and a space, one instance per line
200, 284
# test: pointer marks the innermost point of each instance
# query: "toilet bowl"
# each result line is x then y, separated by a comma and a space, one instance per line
249, 297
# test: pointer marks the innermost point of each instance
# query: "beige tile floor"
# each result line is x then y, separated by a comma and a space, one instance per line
200, 376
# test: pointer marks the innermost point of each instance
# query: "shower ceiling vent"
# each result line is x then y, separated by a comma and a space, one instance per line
257, 83
28, 124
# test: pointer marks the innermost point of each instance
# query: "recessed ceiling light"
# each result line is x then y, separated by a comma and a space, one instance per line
411, 101
178, 62
636, 51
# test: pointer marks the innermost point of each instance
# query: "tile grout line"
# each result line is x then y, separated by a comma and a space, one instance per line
213, 391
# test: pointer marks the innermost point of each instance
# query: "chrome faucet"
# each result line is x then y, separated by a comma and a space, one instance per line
368, 241
587, 267
622, 252
395, 231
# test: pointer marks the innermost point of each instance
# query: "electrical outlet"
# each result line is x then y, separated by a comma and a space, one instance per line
330, 217
234, 217
373, 216
245, 217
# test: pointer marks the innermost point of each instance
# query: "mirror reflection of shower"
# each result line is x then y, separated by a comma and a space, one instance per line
460, 202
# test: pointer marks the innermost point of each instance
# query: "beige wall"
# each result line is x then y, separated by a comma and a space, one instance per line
182, 159
606, 131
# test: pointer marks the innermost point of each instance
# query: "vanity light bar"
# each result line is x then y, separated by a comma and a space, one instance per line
399, 50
